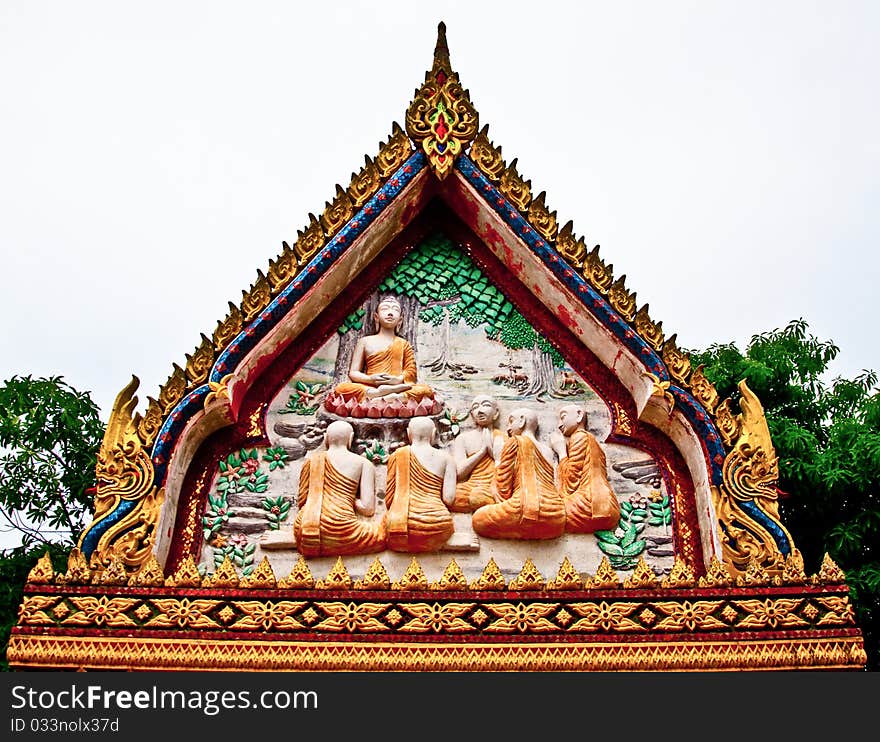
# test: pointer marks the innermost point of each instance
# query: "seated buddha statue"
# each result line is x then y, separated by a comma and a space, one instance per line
383, 366
529, 506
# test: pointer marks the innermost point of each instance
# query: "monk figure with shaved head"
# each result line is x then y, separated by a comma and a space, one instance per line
475, 452
335, 486
419, 489
529, 505
590, 503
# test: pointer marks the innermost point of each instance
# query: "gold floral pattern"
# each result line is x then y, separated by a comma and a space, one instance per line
437, 617
521, 617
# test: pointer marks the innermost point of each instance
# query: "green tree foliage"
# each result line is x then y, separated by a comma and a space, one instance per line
444, 279
49, 438
827, 437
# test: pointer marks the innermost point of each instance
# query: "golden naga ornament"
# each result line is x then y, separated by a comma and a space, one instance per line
148, 426
517, 190
651, 332
198, 365
257, 298
394, 152
124, 488
599, 275
542, 219
487, 156
573, 249
704, 390
281, 270
677, 363
172, 391
337, 212
365, 183
441, 118
308, 241
228, 328
747, 500
622, 299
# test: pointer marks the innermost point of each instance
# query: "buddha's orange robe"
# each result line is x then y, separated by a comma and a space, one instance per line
590, 503
327, 524
479, 488
417, 519
397, 359
530, 507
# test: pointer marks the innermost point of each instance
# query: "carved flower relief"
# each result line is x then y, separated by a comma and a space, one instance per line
100, 611
437, 617
352, 617
34, 610
772, 613
268, 615
605, 616
522, 617
184, 613
689, 616
840, 611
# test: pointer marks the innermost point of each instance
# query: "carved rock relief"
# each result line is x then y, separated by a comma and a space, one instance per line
254, 490
468, 340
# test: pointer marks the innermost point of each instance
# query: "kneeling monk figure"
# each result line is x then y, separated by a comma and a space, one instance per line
419, 489
590, 503
475, 452
334, 487
530, 506
384, 364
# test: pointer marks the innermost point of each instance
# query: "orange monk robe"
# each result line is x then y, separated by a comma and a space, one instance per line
590, 503
479, 488
327, 524
397, 359
530, 507
417, 519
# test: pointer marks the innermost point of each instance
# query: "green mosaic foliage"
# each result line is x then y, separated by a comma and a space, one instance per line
276, 511
216, 514
241, 471
239, 551
277, 458
438, 271
623, 545
375, 452
304, 398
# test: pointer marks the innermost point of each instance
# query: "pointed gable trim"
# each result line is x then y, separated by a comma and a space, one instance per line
696, 415
280, 306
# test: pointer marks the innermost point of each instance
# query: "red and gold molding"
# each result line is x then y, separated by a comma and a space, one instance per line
94, 627
127, 653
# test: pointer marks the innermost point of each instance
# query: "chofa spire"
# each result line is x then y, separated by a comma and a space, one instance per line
441, 119
441, 50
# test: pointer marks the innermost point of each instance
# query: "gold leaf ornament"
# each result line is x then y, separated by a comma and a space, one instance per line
570, 247
486, 156
542, 219
364, 183
198, 365
516, 190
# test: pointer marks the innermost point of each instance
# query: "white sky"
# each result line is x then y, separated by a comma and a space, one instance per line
154, 155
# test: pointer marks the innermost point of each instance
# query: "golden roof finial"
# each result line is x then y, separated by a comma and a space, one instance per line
441, 50
441, 120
